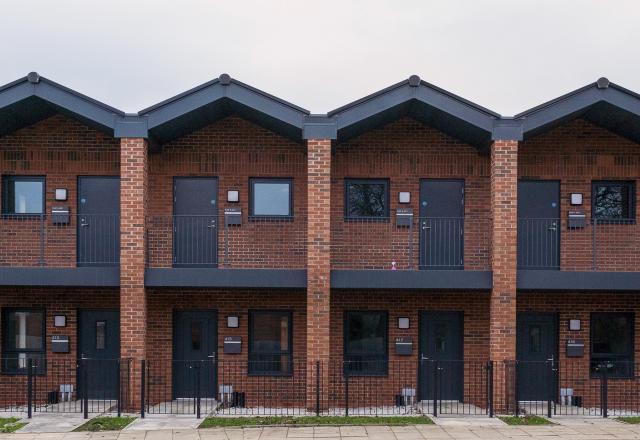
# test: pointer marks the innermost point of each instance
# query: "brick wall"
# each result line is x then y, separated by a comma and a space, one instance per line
233, 150
575, 154
404, 152
60, 149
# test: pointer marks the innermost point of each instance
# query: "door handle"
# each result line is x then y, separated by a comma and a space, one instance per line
424, 226
552, 227
212, 225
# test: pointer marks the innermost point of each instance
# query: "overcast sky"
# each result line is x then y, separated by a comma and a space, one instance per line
505, 55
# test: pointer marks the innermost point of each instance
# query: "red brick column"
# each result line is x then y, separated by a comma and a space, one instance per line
504, 210
133, 302
318, 265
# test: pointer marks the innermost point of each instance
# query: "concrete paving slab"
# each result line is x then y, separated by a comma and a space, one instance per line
155, 422
468, 421
53, 422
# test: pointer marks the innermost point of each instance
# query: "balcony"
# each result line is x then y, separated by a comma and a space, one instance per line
599, 255
411, 253
83, 250
206, 251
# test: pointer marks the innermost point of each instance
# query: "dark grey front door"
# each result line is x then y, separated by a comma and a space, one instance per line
195, 222
441, 347
537, 353
441, 224
98, 242
98, 352
539, 224
195, 345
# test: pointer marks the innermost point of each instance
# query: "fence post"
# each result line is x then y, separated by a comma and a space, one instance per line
317, 388
119, 387
435, 389
551, 388
594, 244
346, 388
515, 388
42, 222
85, 388
490, 384
198, 370
29, 386
143, 373
604, 387
411, 244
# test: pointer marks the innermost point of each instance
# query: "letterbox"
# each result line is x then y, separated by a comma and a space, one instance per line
577, 219
404, 345
575, 347
404, 217
60, 215
232, 216
232, 345
60, 344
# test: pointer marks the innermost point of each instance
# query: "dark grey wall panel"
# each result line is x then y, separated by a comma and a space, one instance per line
555, 280
232, 278
412, 279
71, 277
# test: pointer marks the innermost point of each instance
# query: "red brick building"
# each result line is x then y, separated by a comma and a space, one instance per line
408, 248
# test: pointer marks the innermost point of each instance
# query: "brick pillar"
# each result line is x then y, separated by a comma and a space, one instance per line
318, 265
504, 207
133, 302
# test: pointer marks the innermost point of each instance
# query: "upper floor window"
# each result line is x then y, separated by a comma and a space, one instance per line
271, 198
23, 195
613, 200
23, 338
612, 344
365, 345
270, 340
366, 198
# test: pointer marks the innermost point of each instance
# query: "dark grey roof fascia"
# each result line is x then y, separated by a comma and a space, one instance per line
219, 93
319, 127
507, 129
131, 126
59, 98
564, 281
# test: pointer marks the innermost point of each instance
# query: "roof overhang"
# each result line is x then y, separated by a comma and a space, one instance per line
33, 98
422, 101
602, 103
209, 102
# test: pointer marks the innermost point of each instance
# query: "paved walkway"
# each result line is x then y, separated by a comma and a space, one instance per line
447, 428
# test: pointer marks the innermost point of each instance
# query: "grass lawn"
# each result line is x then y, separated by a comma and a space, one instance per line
526, 420
215, 422
631, 420
105, 424
10, 424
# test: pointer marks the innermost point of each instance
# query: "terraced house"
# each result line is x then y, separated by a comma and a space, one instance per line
225, 251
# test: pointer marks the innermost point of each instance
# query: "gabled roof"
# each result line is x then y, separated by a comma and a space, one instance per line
34, 98
209, 102
422, 101
602, 103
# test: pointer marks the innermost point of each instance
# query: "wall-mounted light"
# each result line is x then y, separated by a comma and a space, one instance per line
61, 194
574, 324
233, 196
576, 199
233, 321
59, 321
403, 323
404, 197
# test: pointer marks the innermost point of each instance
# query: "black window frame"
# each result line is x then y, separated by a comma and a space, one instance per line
377, 181
8, 181
355, 369
253, 181
595, 360
40, 369
252, 370
631, 218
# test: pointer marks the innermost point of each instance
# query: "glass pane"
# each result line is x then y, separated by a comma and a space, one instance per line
366, 333
101, 335
535, 341
27, 197
196, 335
611, 335
440, 333
270, 333
612, 201
366, 200
271, 198
27, 330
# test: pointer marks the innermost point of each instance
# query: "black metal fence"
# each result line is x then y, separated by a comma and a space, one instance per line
61, 386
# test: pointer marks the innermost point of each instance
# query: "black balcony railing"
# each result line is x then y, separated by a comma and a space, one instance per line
59, 240
578, 245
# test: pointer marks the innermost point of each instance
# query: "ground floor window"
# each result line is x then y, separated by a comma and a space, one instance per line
23, 338
612, 344
365, 345
270, 340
